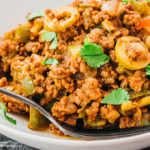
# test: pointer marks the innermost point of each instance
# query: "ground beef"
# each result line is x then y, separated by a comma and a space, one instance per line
110, 113
108, 75
64, 107
136, 120
138, 77
96, 17
92, 111
77, 65
97, 36
8, 47
33, 47
12, 104
89, 91
55, 130
73, 89
131, 18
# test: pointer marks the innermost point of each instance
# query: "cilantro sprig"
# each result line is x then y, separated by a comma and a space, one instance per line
40, 13
93, 54
116, 97
50, 61
147, 69
4, 109
125, 1
50, 37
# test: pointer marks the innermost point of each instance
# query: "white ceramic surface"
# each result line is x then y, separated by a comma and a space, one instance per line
13, 12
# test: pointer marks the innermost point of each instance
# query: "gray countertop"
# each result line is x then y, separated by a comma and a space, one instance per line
8, 144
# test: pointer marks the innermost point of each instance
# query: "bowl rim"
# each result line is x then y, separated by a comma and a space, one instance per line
9, 131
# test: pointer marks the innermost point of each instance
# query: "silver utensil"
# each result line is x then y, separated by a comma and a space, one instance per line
78, 131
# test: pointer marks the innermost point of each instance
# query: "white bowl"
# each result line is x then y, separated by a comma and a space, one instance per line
13, 12
47, 141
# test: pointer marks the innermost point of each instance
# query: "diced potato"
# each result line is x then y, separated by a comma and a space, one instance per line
74, 50
108, 25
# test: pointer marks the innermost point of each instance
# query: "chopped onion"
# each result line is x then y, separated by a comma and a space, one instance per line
28, 86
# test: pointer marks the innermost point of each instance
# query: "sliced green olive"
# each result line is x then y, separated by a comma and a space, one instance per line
132, 53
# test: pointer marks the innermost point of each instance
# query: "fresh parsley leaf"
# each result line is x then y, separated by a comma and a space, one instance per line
148, 0
35, 15
86, 41
4, 109
50, 61
125, 1
116, 97
147, 70
50, 37
93, 54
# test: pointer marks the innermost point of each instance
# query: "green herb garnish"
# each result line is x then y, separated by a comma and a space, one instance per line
147, 70
50, 37
50, 61
4, 109
125, 1
40, 13
148, 0
54, 43
86, 41
116, 97
93, 54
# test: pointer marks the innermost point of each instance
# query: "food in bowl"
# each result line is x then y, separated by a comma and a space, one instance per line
87, 63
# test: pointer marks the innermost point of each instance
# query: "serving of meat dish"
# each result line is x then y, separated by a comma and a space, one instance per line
87, 63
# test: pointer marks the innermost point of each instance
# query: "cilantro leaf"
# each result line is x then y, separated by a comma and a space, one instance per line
50, 61
50, 37
4, 109
125, 1
86, 41
116, 97
91, 50
93, 54
54, 44
147, 70
35, 15
96, 61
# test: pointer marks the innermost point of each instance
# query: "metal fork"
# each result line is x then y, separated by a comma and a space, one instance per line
77, 131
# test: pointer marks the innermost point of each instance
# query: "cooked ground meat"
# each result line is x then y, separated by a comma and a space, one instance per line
60, 72
131, 18
110, 113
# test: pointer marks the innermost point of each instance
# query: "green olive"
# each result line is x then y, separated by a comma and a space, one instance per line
132, 53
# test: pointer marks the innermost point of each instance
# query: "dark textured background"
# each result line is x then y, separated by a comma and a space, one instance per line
8, 144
